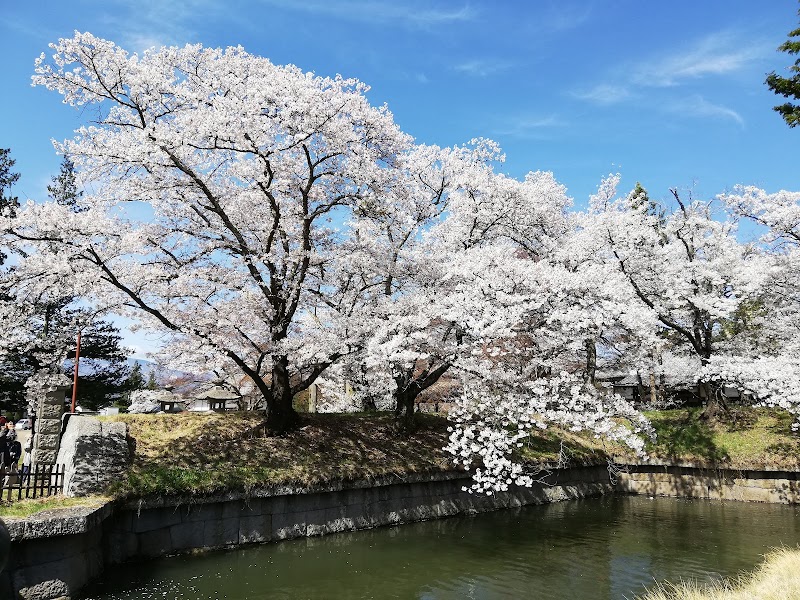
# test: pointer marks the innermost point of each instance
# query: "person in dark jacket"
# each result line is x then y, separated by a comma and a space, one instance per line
9, 436
4, 458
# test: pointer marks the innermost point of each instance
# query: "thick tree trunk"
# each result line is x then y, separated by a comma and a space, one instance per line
281, 416
410, 387
404, 410
715, 400
716, 406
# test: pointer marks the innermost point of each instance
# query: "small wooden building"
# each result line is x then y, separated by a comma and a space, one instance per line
217, 399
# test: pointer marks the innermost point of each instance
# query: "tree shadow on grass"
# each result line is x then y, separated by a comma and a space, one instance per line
685, 435
226, 454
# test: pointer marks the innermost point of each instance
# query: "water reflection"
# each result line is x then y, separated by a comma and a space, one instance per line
606, 548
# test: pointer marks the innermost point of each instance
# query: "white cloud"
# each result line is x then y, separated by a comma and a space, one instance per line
716, 54
605, 94
482, 67
382, 11
697, 106
528, 126
147, 23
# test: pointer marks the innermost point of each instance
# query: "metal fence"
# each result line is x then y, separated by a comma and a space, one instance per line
41, 480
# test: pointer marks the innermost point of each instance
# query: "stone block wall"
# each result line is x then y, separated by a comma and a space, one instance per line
161, 530
53, 557
711, 484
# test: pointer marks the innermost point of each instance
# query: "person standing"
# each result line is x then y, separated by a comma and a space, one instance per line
27, 459
10, 438
4, 458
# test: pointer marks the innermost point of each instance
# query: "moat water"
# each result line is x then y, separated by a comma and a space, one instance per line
605, 548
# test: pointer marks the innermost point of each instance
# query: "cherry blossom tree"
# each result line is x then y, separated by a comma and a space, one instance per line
686, 271
768, 368
527, 316
214, 181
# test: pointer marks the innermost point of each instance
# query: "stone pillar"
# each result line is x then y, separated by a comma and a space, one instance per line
46, 393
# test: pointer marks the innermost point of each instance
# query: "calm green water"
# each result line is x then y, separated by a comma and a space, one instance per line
585, 549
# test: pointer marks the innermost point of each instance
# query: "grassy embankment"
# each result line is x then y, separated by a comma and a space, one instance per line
753, 438
194, 453
777, 578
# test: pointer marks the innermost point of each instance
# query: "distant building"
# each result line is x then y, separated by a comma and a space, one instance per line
217, 399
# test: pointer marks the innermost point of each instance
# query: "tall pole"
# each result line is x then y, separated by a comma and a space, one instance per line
75, 371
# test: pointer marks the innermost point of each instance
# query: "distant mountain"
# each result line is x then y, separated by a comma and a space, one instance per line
168, 377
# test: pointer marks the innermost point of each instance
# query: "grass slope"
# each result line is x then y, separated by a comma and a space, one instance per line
754, 438
197, 453
206, 453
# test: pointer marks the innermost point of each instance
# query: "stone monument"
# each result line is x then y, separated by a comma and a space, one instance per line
46, 394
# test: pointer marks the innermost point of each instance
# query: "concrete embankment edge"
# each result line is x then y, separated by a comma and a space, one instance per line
55, 555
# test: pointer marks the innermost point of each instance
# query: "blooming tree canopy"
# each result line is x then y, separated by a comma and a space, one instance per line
238, 170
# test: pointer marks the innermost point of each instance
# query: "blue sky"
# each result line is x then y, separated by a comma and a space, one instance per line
671, 94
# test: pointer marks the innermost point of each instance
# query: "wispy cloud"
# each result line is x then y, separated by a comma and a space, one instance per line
530, 126
559, 16
482, 67
605, 93
697, 106
716, 54
148, 23
414, 14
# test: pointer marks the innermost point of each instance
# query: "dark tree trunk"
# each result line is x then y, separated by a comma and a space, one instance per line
409, 388
281, 416
404, 410
591, 359
715, 400
716, 406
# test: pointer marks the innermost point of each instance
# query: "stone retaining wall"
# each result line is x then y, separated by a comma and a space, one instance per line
713, 484
54, 556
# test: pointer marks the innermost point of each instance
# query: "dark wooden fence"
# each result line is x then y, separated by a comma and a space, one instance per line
41, 480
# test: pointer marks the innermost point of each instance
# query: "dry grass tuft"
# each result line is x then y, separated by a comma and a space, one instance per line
777, 578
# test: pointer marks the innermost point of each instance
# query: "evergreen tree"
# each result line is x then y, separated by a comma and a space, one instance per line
103, 366
152, 384
7, 179
135, 380
788, 87
64, 188
103, 360
8, 203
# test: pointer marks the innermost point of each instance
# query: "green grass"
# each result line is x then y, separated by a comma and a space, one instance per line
752, 438
191, 453
206, 453
26, 508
